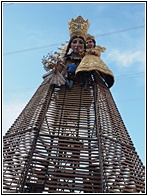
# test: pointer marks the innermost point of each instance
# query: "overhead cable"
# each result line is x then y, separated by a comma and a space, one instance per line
32, 88
45, 46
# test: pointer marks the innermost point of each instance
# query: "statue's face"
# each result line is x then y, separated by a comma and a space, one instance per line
89, 43
77, 45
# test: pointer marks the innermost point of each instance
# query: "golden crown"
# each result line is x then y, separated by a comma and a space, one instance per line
79, 27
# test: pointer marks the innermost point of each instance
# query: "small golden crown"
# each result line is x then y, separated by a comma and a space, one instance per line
90, 37
79, 27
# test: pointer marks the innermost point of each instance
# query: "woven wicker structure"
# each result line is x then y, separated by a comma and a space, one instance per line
71, 141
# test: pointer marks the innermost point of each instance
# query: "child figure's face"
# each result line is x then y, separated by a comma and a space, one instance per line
89, 43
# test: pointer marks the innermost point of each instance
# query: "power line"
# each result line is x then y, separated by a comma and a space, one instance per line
7, 4
105, 34
120, 31
31, 88
130, 75
30, 49
19, 90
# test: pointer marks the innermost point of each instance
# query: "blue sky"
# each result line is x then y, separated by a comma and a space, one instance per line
31, 30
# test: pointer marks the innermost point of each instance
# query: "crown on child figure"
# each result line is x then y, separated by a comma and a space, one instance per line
78, 26
90, 37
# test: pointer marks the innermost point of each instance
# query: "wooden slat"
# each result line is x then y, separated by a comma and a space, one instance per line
71, 141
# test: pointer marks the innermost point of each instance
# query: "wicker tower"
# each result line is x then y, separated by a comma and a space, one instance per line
71, 141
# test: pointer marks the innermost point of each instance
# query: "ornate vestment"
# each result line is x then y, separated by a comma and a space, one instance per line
92, 62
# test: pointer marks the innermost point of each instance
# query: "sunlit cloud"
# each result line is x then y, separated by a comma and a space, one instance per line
10, 112
127, 58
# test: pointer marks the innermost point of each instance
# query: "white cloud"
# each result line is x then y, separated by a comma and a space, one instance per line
10, 112
127, 58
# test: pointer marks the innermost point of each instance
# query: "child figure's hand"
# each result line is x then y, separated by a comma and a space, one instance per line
89, 51
93, 52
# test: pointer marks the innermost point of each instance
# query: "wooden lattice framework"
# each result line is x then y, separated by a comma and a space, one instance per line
71, 141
